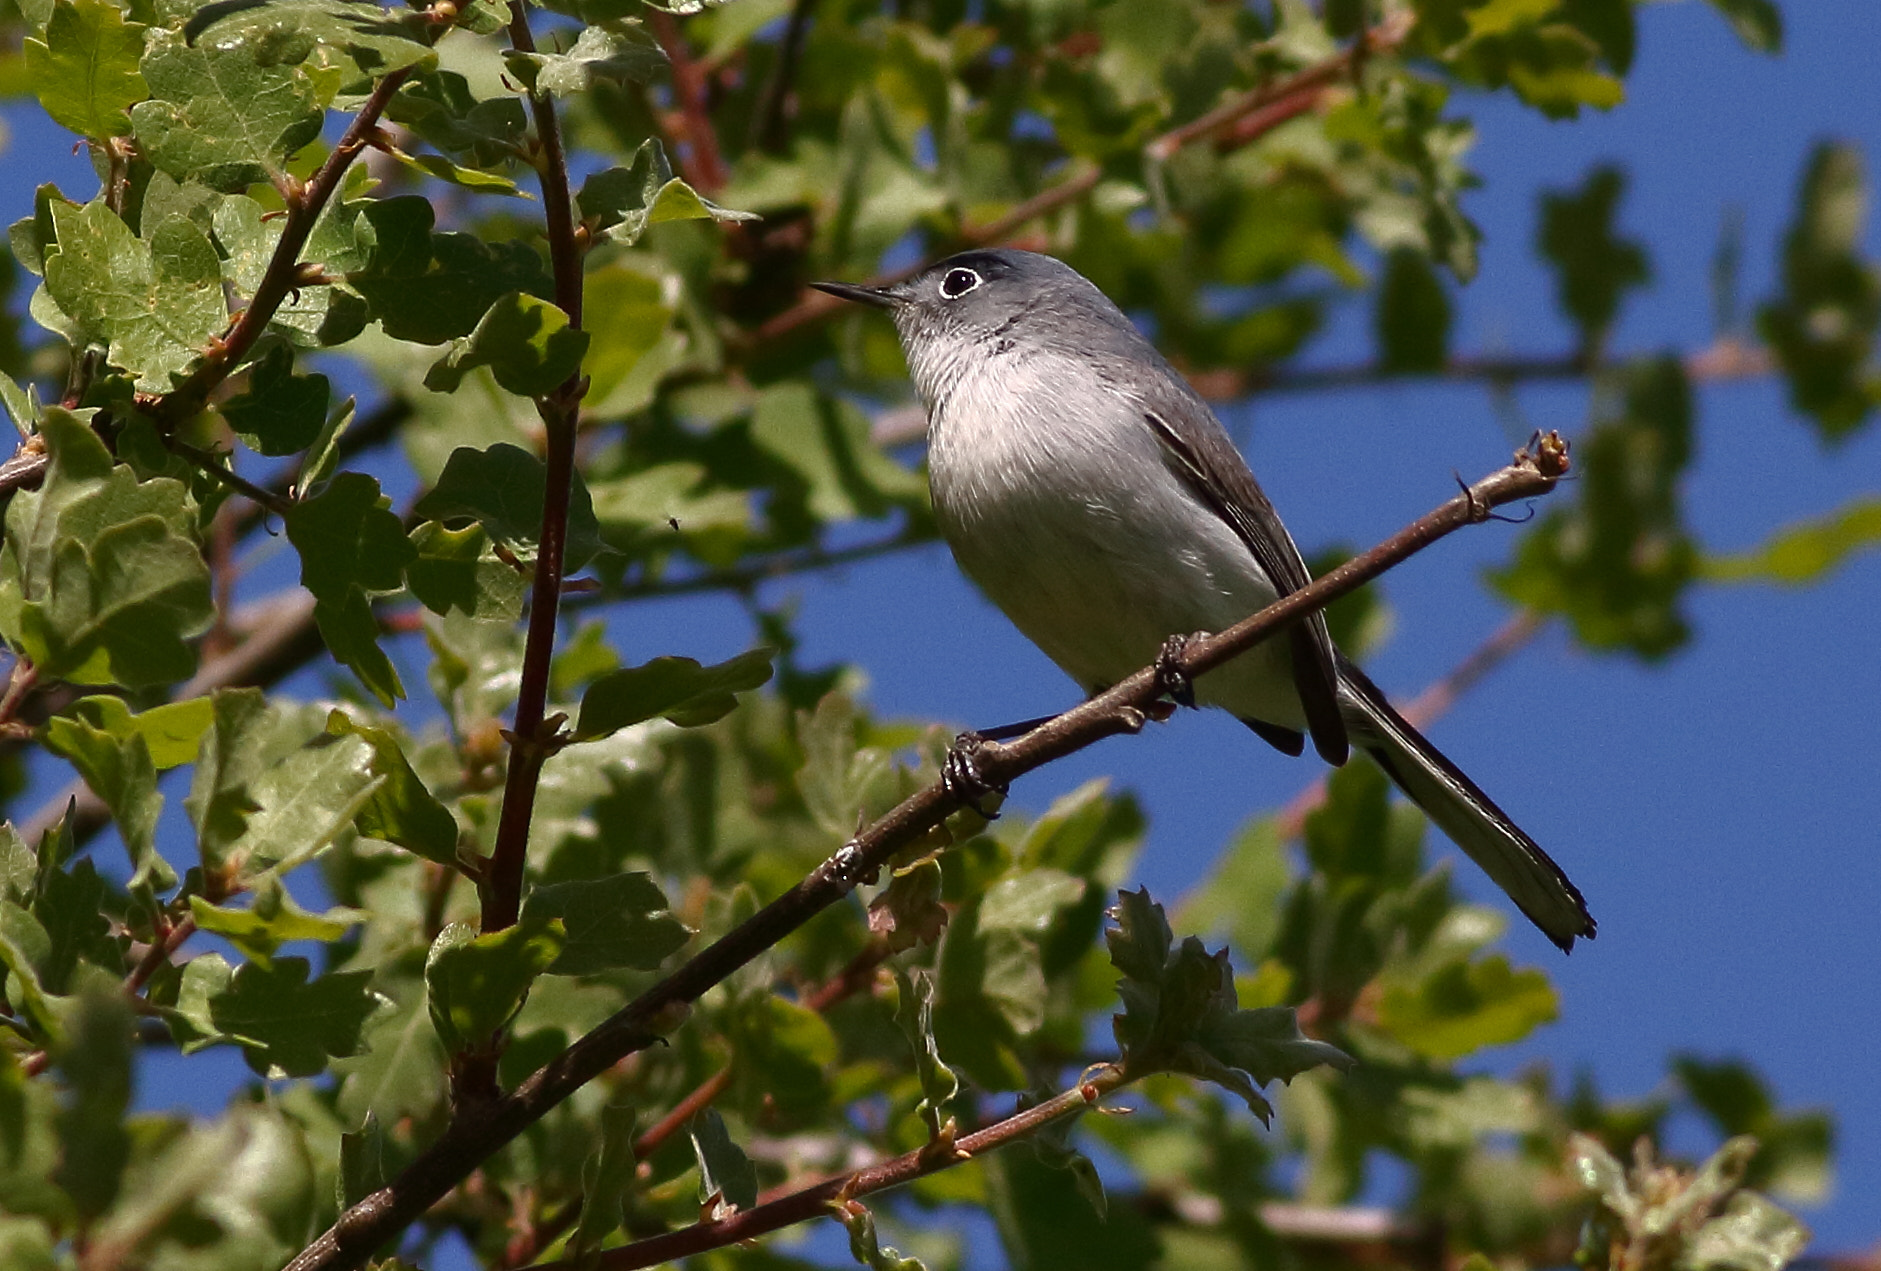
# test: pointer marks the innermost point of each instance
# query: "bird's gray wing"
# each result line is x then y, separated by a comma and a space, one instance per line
1200, 453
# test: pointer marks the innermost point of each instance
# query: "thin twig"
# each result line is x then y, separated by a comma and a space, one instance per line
471, 1137
826, 1198
768, 130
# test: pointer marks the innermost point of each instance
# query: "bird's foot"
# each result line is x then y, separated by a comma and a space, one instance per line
1170, 677
962, 778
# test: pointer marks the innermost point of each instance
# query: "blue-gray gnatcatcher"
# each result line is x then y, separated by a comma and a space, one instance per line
1094, 497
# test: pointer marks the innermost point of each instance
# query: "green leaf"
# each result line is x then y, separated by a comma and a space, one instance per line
864, 1245
352, 547
526, 342
606, 1177
70, 909
456, 569
156, 304
787, 1054
436, 165
429, 288
172, 733
1805, 552
1594, 266
502, 488
1822, 325
1758, 23
99, 582
1241, 897
1617, 564
119, 770
400, 809
1413, 316
1029, 901
302, 802
914, 1013
681, 689
85, 70
285, 1024
618, 921
1181, 1013
225, 117
94, 1057
620, 203
375, 40
726, 1174
908, 911
280, 413
617, 52
826, 445
440, 107
24, 947
476, 984
271, 920
1464, 1006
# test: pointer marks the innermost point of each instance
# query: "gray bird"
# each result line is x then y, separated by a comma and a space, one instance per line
1092, 494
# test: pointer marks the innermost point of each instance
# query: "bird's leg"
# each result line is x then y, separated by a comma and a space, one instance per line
1169, 673
961, 776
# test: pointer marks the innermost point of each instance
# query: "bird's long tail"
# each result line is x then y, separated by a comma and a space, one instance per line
1461, 810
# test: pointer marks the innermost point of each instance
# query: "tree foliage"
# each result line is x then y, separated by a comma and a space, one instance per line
572, 938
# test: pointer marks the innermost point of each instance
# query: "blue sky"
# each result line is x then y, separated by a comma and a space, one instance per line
1717, 809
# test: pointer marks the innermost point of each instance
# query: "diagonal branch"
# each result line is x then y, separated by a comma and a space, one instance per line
474, 1135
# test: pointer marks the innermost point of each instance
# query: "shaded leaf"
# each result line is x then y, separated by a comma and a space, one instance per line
681, 689
476, 984
619, 921
606, 1176
456, 570
502, 488
271, 920
616, 52
725, 1172
428, 287
285, 1023
1463, 1006
914, 1012
279, 413
1594, 266
1413, 316
526, 342
400, 809
1758, 23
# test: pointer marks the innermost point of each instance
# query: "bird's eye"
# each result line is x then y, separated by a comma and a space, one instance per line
958, 283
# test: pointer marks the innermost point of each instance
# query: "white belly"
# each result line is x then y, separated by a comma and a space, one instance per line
1078, 530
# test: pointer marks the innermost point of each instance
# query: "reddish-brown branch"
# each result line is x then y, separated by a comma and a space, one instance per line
821, 1199
532, 737
472, 1137
701, 162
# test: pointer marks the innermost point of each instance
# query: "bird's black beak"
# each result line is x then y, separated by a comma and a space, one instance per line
880, 297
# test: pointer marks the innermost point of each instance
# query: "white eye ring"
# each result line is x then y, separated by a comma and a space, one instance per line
957, 282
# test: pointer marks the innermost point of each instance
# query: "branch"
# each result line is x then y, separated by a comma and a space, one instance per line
531, 739
702, 165
767, 131
471, 1137
837, 1194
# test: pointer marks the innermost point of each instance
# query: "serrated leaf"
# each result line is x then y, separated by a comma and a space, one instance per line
98, 582
302, 802
525, 341
156, 304
725, 1172
1181, 1012
400, 809
618, 921
280, 413
285, 1023
85, 70
271, 920
352, 547
616, 52
502, 488
119, 769
223, 117
680, 689
429, 288
475, 984
606, 1176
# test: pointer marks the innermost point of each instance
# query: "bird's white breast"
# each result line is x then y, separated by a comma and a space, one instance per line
1053, 492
